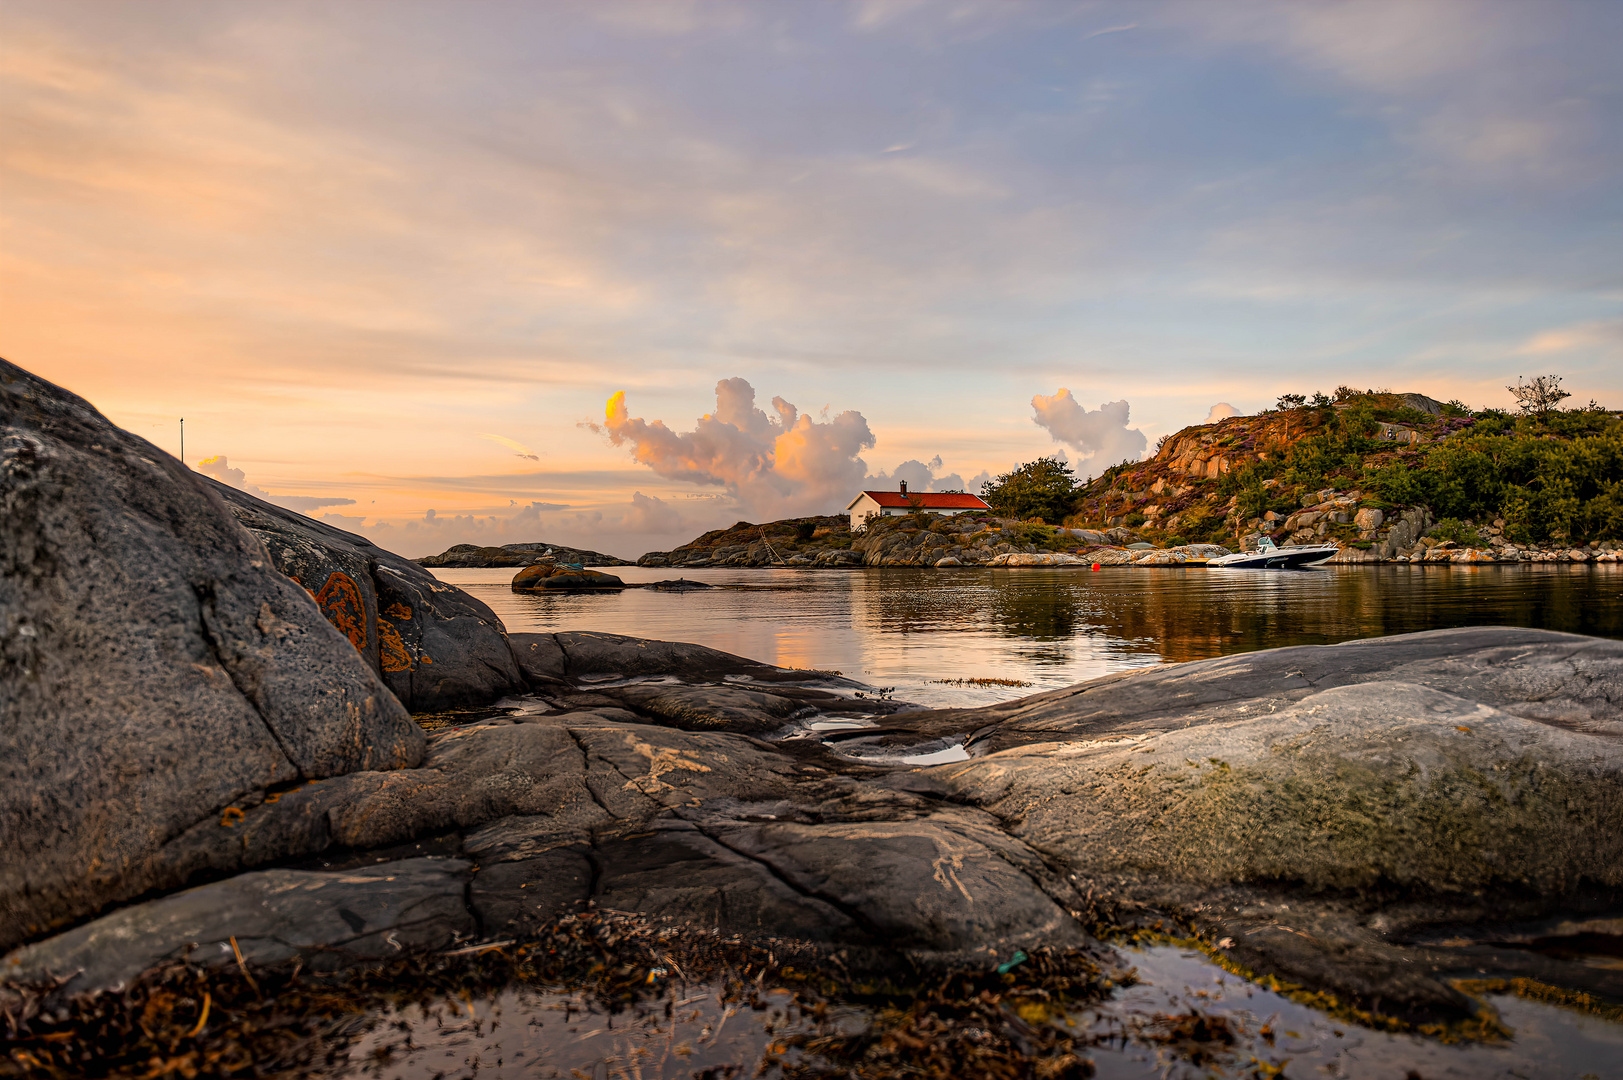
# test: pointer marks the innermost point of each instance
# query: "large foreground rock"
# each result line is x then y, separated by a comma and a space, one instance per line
1373, 819
434, 645
154, 665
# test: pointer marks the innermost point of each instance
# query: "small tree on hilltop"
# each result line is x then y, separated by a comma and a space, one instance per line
1043, 488
1287, 402
1539, 396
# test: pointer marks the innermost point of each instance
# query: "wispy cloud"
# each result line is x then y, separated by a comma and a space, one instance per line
518, 448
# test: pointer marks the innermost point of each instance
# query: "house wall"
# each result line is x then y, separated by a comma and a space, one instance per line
865, 508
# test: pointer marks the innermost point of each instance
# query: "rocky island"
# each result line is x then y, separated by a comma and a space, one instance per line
211, 765
472, 556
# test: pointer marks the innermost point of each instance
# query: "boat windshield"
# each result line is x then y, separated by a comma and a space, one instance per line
1266, 543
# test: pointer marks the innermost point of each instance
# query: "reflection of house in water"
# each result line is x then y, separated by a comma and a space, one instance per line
871, 504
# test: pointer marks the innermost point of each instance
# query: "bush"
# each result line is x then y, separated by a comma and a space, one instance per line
1456, 530
1044, 488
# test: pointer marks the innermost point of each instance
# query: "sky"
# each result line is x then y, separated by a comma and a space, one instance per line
610, 274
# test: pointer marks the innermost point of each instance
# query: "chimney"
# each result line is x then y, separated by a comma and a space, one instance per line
904, 487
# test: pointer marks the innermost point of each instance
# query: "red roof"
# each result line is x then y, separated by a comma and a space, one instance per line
928, 500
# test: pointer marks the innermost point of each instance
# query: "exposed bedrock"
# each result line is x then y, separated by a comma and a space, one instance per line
434, 645
154, 664
1370, 819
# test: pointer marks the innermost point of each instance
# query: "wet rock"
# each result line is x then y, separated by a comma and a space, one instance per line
434, 645
328, 919
687, 584
154, 665
547, 577
1370, 789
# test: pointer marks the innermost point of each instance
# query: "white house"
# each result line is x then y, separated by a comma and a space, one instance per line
869, 504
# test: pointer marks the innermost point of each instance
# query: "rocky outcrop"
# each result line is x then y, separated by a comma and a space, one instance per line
472, 556
434, 645
551, 577
154, 665
1313, 812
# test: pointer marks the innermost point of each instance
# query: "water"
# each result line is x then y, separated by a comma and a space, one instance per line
926, 631
693, 1030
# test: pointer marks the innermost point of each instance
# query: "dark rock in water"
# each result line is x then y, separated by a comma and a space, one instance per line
473, 556
548, 577
433, 644
677, 585
155, 667
329, 919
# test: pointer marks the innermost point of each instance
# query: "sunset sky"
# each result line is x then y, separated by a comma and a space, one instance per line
395, 263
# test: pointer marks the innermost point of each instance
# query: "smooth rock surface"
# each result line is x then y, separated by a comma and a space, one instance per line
154, 665
434, 645
328, 919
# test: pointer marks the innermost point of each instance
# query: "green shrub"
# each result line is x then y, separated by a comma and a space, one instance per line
1456, 530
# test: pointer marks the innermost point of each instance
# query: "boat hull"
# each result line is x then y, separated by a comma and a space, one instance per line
1277, 559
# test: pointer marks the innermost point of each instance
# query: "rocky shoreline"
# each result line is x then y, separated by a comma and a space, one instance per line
984, 540
206, 763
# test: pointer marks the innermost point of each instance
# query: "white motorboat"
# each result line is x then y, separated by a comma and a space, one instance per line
1269, 557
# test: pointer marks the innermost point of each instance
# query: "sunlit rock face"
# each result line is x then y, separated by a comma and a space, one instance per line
154, 665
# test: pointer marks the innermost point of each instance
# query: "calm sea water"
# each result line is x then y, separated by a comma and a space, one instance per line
916, 629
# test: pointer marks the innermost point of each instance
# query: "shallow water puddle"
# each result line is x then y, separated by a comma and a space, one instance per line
544, 1035
1185, 1018
1146, 1031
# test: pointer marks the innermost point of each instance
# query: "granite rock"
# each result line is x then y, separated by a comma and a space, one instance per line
434, 645
154, 664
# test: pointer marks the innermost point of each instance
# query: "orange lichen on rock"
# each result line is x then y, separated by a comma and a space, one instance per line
340, 600
392, 653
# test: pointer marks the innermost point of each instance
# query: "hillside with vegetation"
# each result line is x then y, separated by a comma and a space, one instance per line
1386, 475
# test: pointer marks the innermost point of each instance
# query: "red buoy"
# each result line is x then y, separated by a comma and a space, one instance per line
1096, 566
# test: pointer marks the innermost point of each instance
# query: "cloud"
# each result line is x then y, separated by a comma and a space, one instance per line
1603, 336
1101, 436
219, 468
518, 448
922, 476
653, 521
1221, 411
776, 466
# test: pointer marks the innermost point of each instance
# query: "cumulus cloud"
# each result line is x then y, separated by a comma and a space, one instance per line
219, 468
1100, 436
924, 476
774, 466
1221, 411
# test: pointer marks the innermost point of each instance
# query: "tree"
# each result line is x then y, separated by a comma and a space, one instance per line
1539, 396
1287, 402
1043, 488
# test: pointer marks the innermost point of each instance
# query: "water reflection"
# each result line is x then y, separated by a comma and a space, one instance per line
907, 628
